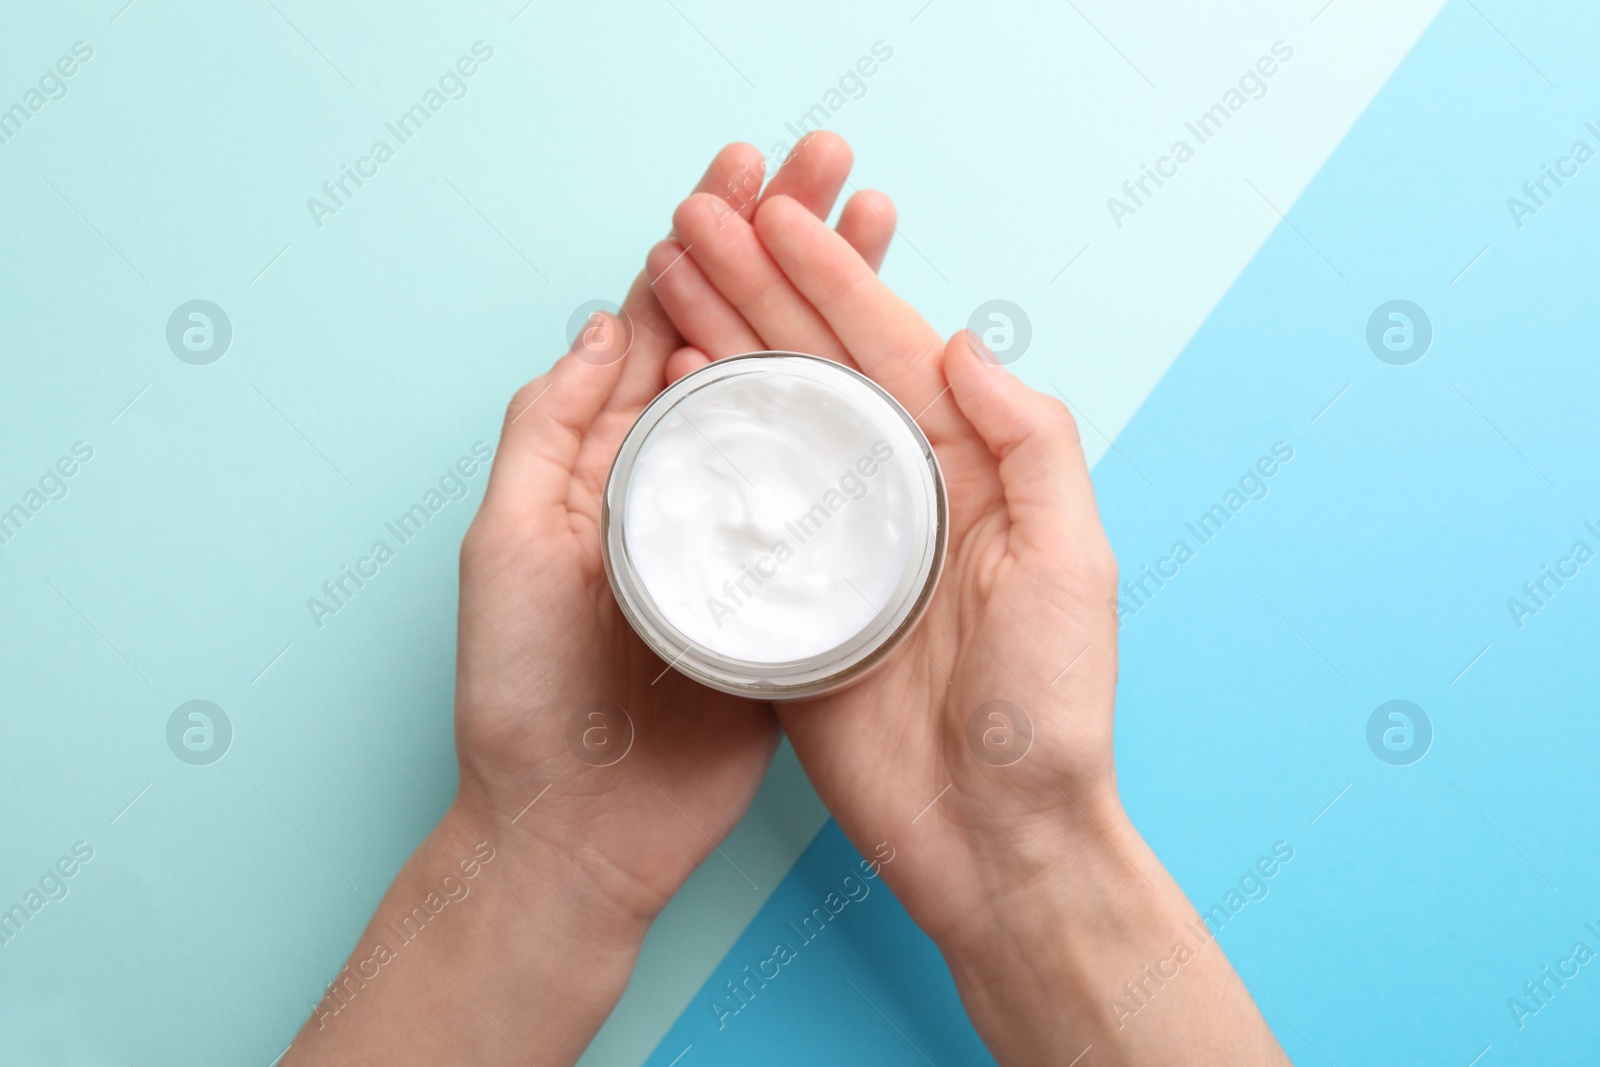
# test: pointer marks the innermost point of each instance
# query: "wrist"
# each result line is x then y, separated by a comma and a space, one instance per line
1073, 909
549, 892
1045, 846
1091, 942
478, 953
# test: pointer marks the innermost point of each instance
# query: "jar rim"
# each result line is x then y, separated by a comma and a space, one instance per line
813, 675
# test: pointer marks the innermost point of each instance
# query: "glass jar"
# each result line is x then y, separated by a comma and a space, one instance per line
774, 525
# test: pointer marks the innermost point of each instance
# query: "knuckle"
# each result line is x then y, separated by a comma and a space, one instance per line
522, 400
767, 291
833, 293
662, 255
1058, 417
472, 547
910, 349
485, 544
1103, 567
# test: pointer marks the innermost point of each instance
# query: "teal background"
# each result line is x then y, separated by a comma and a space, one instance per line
368, 354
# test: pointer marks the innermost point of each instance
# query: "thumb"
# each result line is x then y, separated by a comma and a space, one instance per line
547, 422
1043, 472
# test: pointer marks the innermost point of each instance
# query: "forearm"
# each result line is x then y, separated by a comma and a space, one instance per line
483, 951
1093, 943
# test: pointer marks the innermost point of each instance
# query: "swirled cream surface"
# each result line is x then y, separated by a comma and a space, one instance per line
771, 517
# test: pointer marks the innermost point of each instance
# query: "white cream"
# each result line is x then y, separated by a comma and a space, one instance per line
780, 514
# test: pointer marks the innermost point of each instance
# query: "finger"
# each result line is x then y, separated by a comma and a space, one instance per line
814, 172
544, 427
893, 344
732, 258
647, 337
867, 224
1049, 495
701, 314
685, 361
735, 175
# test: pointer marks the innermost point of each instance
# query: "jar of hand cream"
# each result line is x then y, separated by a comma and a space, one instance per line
774, 525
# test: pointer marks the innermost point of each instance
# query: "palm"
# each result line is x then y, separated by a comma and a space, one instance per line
883, 753
559, 703
542, 640
1026, 582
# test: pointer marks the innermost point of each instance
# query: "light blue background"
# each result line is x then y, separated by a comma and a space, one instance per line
370, 353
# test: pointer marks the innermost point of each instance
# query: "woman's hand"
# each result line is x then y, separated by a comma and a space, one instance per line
547, 657
633, 771
981, 752
593, 779
1021, 613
